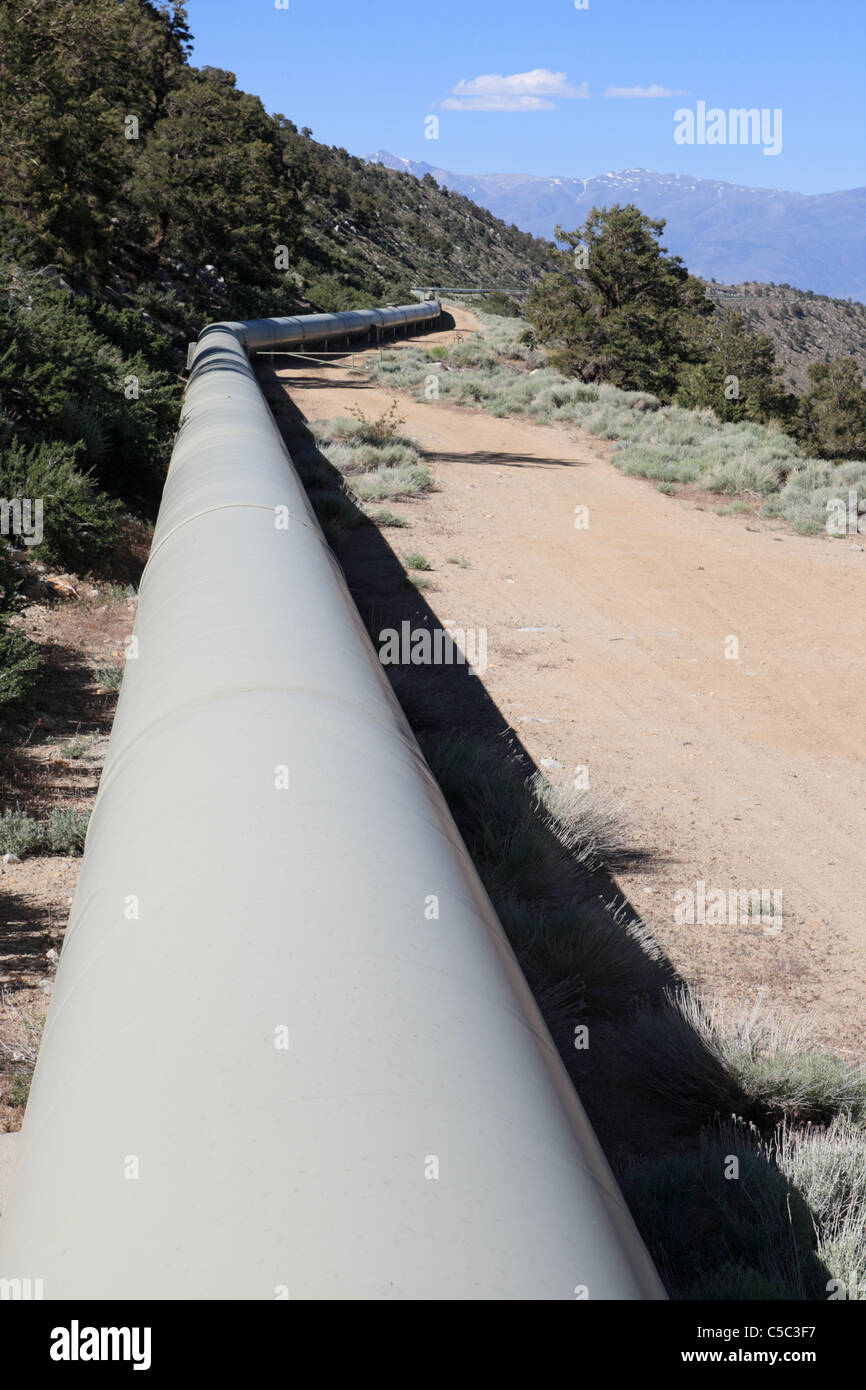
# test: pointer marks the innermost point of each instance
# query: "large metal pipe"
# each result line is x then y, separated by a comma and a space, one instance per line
289, 1052
263, 335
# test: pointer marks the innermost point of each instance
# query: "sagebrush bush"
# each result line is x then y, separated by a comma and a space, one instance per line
110, 676
388, 484
804, 496
337, 512
386, 518
495, 372
19, 833
63, 832
828, 1166
714, 1238
375, 472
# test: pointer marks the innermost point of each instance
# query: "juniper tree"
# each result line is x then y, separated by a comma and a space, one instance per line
738, 377
833, 412
620, 309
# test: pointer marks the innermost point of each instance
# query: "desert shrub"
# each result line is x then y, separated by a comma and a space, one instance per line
809, 488
715, 1239
376, 471
828, 1166
384, 484
19, 665
19, 657
337, 512
743, 475
63, 832
78, 520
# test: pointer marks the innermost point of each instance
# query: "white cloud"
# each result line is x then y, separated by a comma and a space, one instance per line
493, 103
519, 91
654, 91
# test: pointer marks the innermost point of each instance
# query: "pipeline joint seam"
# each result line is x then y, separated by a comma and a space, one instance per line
180, 711
313, 528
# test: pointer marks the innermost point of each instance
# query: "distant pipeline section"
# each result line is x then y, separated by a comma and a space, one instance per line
271, 335
290, 1052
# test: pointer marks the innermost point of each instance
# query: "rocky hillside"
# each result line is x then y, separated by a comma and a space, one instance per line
804, 327
365, 224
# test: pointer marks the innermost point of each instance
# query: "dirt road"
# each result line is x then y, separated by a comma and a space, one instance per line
709, 676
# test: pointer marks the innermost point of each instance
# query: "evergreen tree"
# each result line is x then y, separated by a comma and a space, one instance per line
211, 179
620, 310
19, 657
738, 377
833, 412
71, 76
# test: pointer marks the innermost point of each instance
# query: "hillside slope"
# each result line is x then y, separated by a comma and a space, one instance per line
804, 327
367, 224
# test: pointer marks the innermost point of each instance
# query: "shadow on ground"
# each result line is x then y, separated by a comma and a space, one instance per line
27, 931
503, 460
37, 775
64, 706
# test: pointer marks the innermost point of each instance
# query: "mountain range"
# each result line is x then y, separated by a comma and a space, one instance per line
722, 231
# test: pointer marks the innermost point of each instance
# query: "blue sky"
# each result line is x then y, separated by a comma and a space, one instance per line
508, 81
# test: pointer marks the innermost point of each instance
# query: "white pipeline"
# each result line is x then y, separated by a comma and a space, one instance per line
289, 1051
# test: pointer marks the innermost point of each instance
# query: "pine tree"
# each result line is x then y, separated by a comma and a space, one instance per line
833, 412
620, 310
739, 377
71, 77
211, 180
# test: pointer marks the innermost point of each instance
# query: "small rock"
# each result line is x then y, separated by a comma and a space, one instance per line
60, 586
11, 859
551, 762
